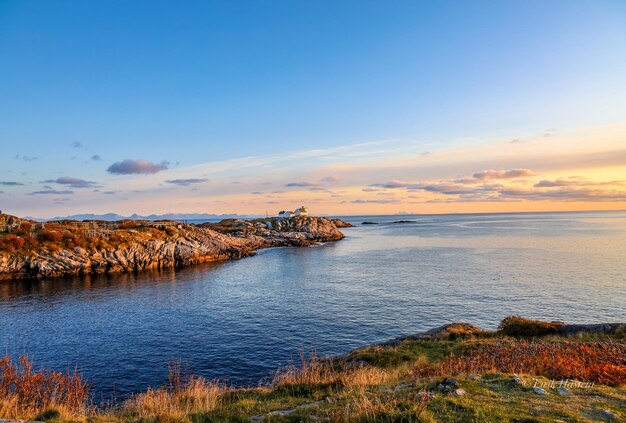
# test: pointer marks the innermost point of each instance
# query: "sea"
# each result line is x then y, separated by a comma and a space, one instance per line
237, 321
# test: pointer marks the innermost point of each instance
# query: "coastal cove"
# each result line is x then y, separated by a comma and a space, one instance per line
238, 320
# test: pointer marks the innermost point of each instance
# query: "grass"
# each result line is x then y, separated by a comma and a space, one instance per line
399, 383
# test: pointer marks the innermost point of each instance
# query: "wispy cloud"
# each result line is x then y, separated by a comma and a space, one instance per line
72, 182
575, 182
52, 192
301, 184
25, 158
396, 184
376, 201
186, 182
96, 157
10, 183
503, 174
144, 167
332, 178
76, 144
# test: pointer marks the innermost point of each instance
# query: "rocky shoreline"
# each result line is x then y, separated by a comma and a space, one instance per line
31, 250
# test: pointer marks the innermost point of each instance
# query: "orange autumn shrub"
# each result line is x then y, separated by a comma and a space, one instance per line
25, 392
598, 362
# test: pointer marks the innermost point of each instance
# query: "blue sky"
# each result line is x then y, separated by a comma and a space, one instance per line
201, 82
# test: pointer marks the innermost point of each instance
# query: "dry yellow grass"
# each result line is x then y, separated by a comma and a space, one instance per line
197, 395
315, 371
25, 392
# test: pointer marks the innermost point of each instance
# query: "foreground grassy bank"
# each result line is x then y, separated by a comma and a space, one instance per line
527, 371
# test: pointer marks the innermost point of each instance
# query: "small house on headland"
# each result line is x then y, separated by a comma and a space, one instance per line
302, 211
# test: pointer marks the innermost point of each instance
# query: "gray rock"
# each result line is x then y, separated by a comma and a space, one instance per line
443, 388
517, 380
449, 381
540, 391
473, 377
609, 414
572, 329
459, 392
564, 391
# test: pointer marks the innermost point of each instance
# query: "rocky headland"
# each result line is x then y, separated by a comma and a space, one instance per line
31, 249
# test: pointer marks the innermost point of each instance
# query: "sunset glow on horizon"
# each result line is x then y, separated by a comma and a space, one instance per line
581, 169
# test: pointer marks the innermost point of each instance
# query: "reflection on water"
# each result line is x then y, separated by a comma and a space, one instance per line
240, 319
89, 285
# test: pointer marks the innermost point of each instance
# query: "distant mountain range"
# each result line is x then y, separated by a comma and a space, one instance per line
135, 216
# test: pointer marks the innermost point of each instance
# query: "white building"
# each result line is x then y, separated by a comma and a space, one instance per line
284, 213
302, 211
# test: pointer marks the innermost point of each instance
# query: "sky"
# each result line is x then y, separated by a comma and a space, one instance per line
351, 107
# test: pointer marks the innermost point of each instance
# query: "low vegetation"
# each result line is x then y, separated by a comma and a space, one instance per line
458, 374
519, 326
39, 394
51, 237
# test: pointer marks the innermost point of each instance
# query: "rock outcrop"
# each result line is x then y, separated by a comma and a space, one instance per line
74, 248
281, 231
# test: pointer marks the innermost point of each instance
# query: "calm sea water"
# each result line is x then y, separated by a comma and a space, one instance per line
238, 320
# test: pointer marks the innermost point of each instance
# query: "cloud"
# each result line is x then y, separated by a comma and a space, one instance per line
186, 182
566, 194
72, 182
396, 184
574, 182
76, 144
52, 192
377, 201
331, 178
130, 167
10, 183
26, 158
503, 174
472, 190
96, 158
301, 184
